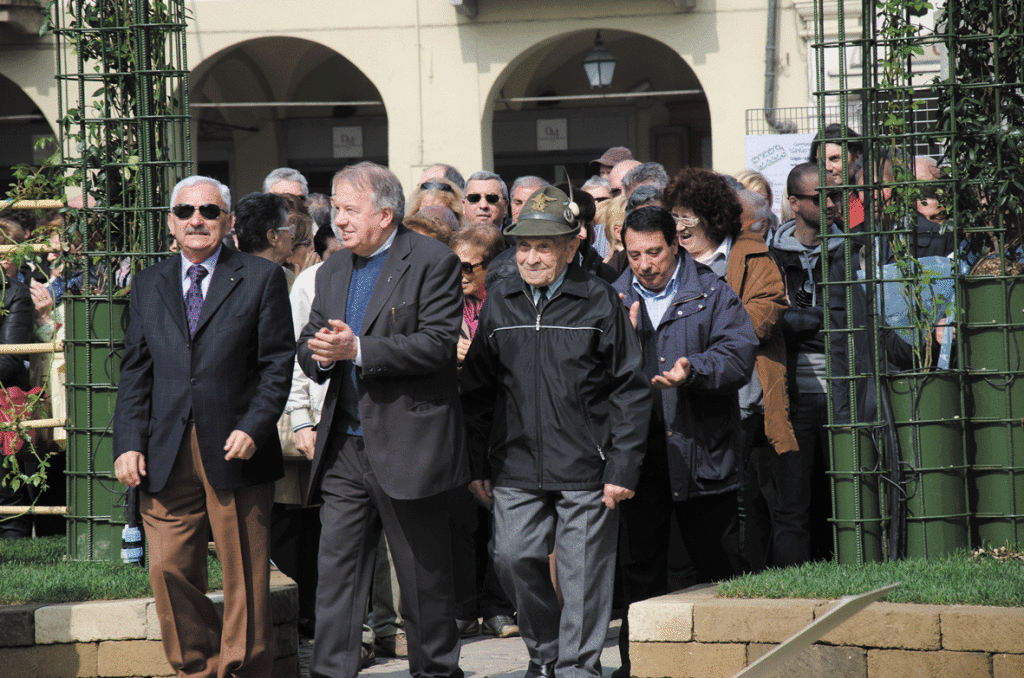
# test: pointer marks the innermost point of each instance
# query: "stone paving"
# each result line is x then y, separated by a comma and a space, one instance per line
482, 657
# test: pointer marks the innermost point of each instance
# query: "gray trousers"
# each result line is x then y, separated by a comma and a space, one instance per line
528, 525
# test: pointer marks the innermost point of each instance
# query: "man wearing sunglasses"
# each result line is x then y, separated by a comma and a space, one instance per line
486, 200
205, 375
797, 247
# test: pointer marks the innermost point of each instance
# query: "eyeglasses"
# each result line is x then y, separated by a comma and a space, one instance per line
803, 196
208, 211
308, 242
686, 222
290, 230
437, 186
492, 198
468, 268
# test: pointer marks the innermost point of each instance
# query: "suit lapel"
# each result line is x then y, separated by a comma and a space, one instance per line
226, 275
170, 292
395, 265
337, 307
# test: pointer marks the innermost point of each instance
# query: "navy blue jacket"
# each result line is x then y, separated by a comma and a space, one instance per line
706, 324
235, 373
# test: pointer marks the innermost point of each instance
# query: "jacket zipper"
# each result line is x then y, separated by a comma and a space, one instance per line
536, 412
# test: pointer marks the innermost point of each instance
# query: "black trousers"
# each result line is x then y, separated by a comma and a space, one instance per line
354, 510
709, 527
478, 593
797, 488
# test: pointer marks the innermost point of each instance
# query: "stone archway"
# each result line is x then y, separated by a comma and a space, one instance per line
251, 112
655, 106
22, 124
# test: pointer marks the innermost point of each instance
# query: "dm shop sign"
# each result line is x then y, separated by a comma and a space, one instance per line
348, 142
553, 135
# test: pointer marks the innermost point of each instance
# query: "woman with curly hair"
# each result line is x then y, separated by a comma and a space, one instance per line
439, 192
707, 215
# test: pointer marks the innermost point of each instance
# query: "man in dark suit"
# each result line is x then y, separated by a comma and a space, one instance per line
205, 375
384, 326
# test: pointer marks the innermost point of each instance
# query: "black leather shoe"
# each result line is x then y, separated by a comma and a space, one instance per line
540, 670
468, 627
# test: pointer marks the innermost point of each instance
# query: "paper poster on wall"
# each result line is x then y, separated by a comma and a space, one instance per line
348, 142
553, 135
774, 155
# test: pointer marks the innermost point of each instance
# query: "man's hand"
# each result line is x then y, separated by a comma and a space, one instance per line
305, 441
634, 310
462, 348
239, 446
679, 373
483, 491
129, 468
333, 343
613, 494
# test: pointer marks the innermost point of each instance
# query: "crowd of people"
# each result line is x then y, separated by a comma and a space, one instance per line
490, 406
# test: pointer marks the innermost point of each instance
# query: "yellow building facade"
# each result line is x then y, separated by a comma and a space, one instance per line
483, 84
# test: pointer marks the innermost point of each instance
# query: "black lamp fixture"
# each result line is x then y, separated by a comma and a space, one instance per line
599, 64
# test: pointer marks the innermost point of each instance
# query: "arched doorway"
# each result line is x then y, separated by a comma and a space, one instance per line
253, 110
22, 125
547, 115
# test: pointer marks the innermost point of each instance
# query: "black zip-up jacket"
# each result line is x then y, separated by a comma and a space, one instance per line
556, 400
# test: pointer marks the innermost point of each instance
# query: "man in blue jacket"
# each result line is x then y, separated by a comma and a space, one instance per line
698, 350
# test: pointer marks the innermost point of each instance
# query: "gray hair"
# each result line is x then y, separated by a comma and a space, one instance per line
451, 174
597, 182
529, 180
484, 175
319, 207
385, 188
651, 173
644, 196
188, 182
285, 174
759, 207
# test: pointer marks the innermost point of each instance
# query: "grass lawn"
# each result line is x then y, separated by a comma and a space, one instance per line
991, 577
35, 571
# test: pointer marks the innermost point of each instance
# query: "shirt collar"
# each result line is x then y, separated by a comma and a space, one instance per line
209, 263
552, 288
721, 253
668, 290
386, 246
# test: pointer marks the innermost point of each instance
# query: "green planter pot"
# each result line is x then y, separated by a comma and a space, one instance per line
930, 429
93, 344
854, 474
992, 332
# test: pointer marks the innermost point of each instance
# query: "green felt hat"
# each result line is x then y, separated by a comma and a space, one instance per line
548, 212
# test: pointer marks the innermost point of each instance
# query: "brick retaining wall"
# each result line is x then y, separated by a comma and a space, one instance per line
692, 634
118, 638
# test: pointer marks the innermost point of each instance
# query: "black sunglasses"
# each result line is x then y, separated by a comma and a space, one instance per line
803, 196
468, 268
436, 186
492, 198
208, 211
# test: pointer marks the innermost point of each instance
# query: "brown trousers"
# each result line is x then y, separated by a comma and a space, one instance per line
178, 520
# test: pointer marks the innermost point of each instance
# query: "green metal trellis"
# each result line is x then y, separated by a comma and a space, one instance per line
124, 127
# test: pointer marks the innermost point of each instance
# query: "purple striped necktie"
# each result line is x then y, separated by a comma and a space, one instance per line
194, 298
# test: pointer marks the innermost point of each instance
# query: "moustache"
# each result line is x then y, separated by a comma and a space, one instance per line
197, 231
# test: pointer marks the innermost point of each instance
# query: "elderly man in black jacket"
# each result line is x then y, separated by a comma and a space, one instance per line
553, 390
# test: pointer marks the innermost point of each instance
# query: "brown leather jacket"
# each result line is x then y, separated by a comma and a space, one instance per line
755, 278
